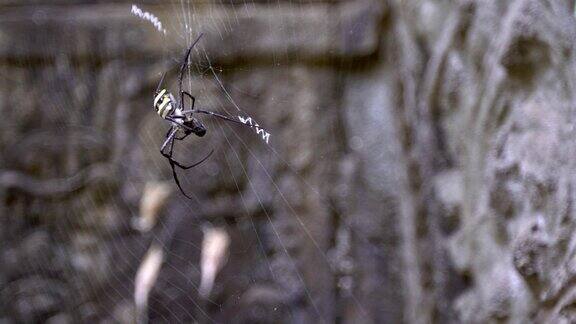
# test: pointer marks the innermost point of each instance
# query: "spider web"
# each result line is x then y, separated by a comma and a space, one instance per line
185, 28
257, 181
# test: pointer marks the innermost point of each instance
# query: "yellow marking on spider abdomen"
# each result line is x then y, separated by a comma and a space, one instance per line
167, 111
165, 107
158, 96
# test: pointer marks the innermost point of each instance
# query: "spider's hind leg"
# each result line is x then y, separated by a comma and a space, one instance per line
170, 138
170, 141
175, 175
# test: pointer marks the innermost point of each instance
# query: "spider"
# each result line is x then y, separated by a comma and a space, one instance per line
182, 121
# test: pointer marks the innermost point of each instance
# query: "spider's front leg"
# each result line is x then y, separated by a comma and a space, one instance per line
211, 113
183, 105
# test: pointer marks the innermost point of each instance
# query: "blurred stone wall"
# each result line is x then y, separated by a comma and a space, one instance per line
420, 169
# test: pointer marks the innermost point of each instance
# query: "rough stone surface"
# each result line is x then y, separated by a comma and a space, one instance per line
421, 165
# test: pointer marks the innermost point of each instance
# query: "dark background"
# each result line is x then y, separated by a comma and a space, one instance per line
420, 168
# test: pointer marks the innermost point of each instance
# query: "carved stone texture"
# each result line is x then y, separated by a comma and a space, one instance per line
420, 169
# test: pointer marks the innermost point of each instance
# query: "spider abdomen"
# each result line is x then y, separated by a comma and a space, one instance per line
163, 103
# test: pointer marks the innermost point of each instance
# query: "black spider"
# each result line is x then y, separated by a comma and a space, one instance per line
182, 121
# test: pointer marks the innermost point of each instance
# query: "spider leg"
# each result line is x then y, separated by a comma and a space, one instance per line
185, 63
191, 97
175, 175
192, 110
173, 119
220, 116
183, 136
192, 165
170, 137
160, 83
197, 163
173, 163
179, 119
170, 141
